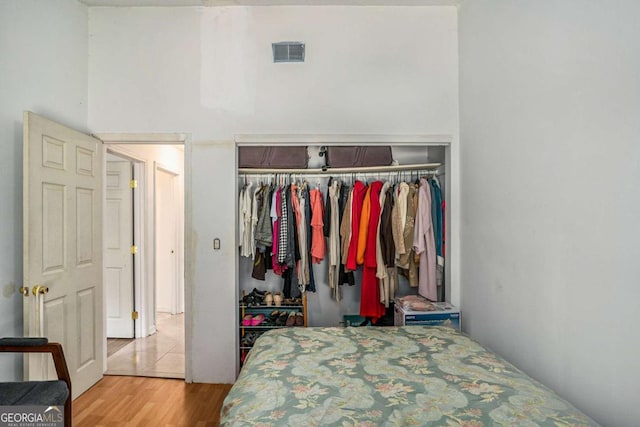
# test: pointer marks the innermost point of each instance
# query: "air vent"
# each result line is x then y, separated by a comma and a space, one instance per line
288, 52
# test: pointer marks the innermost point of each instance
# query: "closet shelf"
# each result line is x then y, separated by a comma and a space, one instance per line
334, 171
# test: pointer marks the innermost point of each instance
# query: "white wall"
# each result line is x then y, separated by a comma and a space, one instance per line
550, 101
209, 71
43, 68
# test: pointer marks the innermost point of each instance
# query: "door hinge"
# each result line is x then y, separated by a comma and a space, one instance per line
134, 249
134, 315
133, 183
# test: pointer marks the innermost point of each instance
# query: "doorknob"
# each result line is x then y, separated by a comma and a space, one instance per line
171, 250
24, 290
38, 289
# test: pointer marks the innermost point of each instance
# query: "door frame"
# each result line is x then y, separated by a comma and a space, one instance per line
144, 209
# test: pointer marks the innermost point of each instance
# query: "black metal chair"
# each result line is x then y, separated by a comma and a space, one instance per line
52, 393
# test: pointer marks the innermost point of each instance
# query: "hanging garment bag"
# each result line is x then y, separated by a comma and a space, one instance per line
279, 157
358, 156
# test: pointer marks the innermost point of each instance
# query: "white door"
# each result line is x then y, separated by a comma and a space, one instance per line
118, 239
166, 242
62, 209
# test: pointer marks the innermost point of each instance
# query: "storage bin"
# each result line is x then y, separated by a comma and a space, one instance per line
445, 314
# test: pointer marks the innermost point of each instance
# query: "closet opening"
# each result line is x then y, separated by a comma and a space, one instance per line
328, 305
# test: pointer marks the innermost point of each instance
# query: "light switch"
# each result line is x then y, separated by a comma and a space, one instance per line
216, 243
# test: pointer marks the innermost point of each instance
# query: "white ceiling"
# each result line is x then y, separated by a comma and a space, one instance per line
213, 3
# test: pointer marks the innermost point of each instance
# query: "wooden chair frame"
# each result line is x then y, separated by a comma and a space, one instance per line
55, 349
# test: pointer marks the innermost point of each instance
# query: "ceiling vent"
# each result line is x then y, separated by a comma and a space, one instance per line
288, 52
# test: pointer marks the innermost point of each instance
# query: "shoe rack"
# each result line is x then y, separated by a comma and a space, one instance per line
257, 318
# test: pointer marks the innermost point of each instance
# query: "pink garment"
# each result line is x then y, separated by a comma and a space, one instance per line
318, 245
424, 244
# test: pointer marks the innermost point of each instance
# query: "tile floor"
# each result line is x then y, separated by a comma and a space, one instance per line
158, 355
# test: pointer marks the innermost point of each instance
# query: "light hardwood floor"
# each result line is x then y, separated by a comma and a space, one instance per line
140, 401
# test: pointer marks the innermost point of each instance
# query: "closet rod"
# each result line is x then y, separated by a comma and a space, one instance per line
333, 171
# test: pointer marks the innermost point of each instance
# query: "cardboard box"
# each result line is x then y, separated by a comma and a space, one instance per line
444, 314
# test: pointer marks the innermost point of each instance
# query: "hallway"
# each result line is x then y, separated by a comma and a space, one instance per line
159, 355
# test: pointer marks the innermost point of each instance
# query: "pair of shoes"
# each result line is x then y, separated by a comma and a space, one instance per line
249, 338
273, 317
277, 298
291, 320
257, 319
268, 298
251, 320
255, 297
282, 318
246, 320
249, 299
295, 318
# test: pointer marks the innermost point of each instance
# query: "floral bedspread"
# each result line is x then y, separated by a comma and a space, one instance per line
386, 376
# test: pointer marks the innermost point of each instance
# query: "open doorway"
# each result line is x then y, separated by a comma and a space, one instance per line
156, 348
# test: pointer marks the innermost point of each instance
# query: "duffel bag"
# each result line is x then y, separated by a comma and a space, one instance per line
277, 157
358, 156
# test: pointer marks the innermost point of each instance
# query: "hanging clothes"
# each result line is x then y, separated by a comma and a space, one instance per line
264, 229
276, 213
318, 247
381, 271
370, 295
333, 252
345, 276
283, 240
436, 218
399, 218
424, 244
292, 255
364, 226
326, 220
311, 283
436, 213
385, 249
387, 243
305, 277
388, 229
241, 218
407, 261
256, 201
246, 210
259, 265
345, 228
357, 199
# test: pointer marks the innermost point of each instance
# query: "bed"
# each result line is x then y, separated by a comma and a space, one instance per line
386, 376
